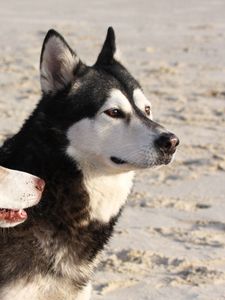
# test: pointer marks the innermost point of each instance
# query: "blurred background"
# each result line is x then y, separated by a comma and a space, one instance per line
170, 241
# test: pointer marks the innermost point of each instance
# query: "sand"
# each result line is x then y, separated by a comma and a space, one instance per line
170, 241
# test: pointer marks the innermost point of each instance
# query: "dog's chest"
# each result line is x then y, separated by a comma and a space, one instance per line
107, 194
40, 288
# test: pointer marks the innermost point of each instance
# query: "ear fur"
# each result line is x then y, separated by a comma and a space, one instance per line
58, 63
107, 54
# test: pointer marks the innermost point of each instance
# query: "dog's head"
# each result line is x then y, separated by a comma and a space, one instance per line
103, 110
18, 191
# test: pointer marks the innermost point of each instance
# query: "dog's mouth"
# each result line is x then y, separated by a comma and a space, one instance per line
118, 161
12, 216
163, 159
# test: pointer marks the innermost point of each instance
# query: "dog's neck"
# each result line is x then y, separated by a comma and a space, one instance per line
107, 187
107, 193
83, 194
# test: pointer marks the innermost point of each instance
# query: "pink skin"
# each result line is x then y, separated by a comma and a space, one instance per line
11, 216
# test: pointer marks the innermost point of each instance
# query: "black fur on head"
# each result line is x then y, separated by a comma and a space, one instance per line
78, 90
106, 56
59, 64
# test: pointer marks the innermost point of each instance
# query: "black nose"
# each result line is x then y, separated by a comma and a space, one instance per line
167, 142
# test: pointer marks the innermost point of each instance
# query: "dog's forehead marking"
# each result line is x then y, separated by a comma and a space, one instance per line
118, 100
140, 100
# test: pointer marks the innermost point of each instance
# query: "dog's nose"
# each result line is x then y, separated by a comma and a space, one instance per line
167, 142
40, 184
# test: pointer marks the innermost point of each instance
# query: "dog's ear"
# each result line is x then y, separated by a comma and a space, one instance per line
58, 63
108, 53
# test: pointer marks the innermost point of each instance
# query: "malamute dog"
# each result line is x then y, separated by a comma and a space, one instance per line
91, 130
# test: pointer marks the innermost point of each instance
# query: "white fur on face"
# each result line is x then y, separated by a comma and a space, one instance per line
141, 101
92, 142
18, 189
117, 100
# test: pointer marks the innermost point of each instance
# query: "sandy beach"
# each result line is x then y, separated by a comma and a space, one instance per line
170, 241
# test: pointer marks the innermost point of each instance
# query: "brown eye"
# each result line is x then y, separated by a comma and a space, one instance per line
147, 110
114, 113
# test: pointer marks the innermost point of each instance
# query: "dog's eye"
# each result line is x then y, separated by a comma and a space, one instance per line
114, 113
147, 110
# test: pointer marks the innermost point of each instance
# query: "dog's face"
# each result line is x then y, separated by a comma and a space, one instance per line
109, 119
18, 191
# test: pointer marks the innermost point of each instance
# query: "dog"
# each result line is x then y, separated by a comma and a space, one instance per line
18, 191
90, 132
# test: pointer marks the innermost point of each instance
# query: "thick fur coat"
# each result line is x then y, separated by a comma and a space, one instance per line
90, 131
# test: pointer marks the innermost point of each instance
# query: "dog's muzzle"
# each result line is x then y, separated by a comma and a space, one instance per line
167, 143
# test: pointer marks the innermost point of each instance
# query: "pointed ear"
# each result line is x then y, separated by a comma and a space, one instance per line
108, 52
58, 63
